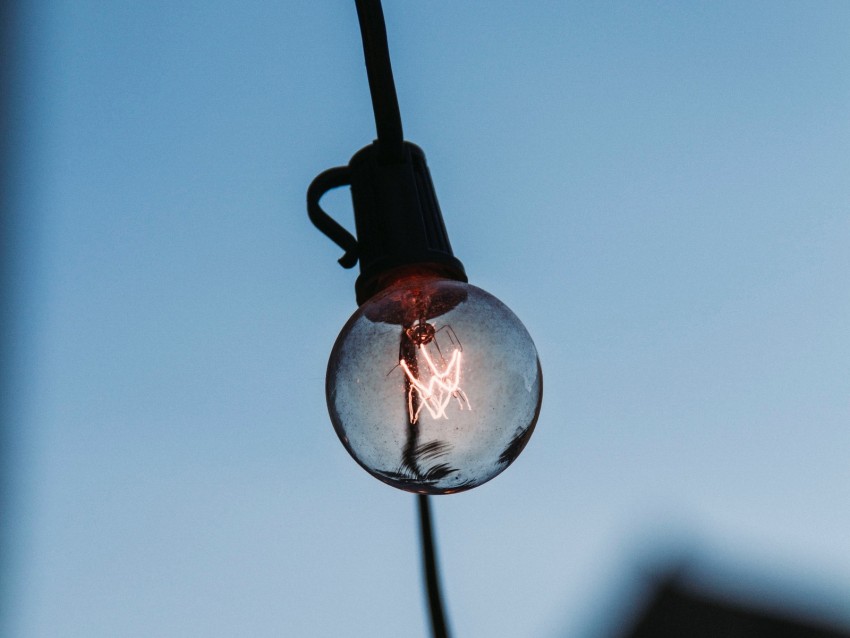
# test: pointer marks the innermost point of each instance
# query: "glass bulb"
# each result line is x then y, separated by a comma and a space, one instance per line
434, 386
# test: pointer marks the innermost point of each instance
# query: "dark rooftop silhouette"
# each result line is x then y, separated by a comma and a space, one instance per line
676, 610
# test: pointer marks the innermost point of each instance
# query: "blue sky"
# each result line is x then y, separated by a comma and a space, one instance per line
660, 192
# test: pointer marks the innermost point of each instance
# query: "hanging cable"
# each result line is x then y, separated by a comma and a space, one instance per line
391, 149
439, 628
381, 85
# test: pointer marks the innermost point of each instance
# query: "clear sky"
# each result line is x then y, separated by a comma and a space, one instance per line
661, 191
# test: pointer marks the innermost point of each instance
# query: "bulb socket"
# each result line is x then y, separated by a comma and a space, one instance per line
398, 220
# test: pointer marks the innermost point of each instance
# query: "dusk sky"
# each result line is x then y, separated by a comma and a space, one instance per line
660, 191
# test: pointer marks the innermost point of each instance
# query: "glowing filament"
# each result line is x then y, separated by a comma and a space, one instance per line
441, 387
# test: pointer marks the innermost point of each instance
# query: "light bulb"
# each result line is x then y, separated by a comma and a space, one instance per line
434, 386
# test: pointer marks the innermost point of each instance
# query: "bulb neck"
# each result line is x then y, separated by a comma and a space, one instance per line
398, 220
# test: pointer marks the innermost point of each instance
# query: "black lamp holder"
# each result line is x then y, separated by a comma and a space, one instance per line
396, 213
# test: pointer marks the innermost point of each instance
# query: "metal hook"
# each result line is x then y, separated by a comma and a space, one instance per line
332, 178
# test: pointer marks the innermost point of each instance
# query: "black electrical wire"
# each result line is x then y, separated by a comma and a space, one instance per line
381, 85
439, 628
391, 148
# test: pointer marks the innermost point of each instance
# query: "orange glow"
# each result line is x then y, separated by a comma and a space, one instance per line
437, 393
